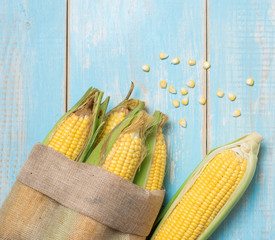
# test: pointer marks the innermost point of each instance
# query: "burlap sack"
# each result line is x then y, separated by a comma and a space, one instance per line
57, 198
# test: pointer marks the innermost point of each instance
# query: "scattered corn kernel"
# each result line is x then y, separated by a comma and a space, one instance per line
250, 81
220, 93
183, 123
192, 62
171, 89
190, 84
175, 60
183, 91
163, 55
231, 96
146, 68
202, 100
185, 101
206, 65
163, 84
176, 103
236, 113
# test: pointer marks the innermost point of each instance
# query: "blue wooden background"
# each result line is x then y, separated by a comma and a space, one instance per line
52, 51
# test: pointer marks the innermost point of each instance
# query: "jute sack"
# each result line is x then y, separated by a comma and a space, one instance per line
57, 198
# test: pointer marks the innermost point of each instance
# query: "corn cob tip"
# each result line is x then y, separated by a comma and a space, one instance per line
256, 137
118, 114
73, 133
164, 119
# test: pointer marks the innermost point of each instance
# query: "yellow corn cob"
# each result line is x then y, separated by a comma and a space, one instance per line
203, 201
125, 155
73, 134
128, 150
157, 170
112, 120
69, 139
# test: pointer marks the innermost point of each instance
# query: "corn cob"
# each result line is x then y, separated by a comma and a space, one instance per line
151, 173
123, 151
76, 129
117, 114
210, 192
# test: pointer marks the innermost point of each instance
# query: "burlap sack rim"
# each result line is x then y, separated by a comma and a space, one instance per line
143, 203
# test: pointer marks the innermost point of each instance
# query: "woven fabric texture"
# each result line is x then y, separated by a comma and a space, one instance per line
57, 198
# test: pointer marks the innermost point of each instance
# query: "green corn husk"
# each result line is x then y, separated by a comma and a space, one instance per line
99, 125
92, 98
248, 147
141, 177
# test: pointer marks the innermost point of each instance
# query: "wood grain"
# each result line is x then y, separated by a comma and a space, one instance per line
109, 43
242, 45
32, 40
42, 73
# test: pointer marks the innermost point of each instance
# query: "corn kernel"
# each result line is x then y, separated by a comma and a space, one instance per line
163, 84
220, 93
190, 84
250, 81
236, 113
176, 103
175, 60
192, 62
183, 122
146, 68
206, 65
183, 91
185, 101
231, 96
202, 100
171, 89
163, 55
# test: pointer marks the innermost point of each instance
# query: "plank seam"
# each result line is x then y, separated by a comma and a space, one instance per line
67, 57
207, 77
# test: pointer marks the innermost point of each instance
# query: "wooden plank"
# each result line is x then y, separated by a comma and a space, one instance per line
242, 45
109, 43
32, 45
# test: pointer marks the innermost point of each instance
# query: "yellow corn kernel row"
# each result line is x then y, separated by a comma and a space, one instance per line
112, 120
125, 155
69, 139
202, 202
157, 171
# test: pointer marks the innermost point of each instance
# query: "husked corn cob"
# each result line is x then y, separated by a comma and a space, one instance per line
74, 130
125, 155
152, 170
128, 150
111, 121
156, 175
118, 114
210, 192
124, 149
214, 186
